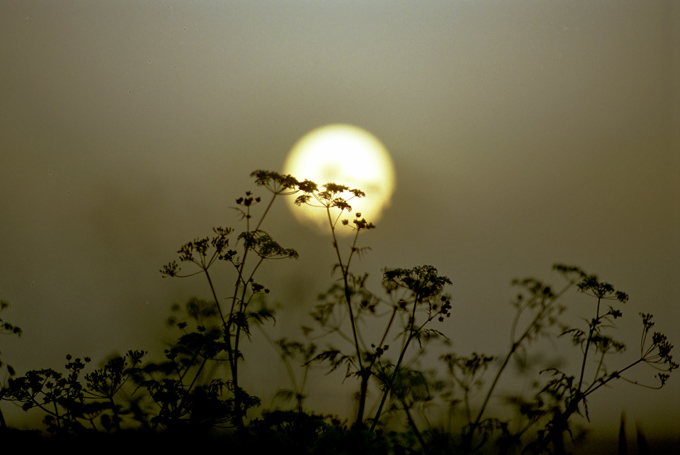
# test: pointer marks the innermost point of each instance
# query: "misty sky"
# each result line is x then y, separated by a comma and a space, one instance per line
523, 133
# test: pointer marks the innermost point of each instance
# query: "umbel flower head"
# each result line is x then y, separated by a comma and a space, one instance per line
424, 281
605, 291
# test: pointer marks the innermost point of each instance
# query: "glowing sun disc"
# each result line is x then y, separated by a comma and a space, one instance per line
346, 155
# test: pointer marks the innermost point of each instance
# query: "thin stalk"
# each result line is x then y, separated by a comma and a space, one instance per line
560, 422
387, 329
115, 412
299, 391
264, 214
198, 373
513, 348
352, 249
593, 324
233, 353
593, 387
466, 399
348, 297
413, 425
225, 324
363, 390
344, 268
186, 371
242, 308
411, 334
599, 366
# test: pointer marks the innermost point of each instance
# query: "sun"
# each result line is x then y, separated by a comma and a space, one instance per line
346, 155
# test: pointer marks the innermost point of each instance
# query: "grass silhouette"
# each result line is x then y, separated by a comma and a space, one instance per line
197, 391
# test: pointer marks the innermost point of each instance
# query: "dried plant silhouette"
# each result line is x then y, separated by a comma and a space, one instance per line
6, 328
380, 340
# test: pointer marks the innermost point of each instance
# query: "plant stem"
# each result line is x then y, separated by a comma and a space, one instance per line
344, 268
413, 425
411, 334
593, 325
467, 438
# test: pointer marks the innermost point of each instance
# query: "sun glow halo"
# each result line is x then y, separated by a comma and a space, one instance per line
346, 155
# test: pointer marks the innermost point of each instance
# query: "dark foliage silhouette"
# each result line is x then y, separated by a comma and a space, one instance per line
378, 339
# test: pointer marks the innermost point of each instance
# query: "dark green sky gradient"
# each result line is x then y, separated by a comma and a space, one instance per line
523, 134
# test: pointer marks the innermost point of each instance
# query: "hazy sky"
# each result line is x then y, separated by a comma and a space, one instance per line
523, 133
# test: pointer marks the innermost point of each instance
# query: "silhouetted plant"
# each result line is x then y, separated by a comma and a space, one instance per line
410, 392
409, 292
256, 246
71, 406
197, 386
536, 303
563, 395
330, 199
105, 383
6, 328
567, 394
180, 393
302, 355
466, 373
